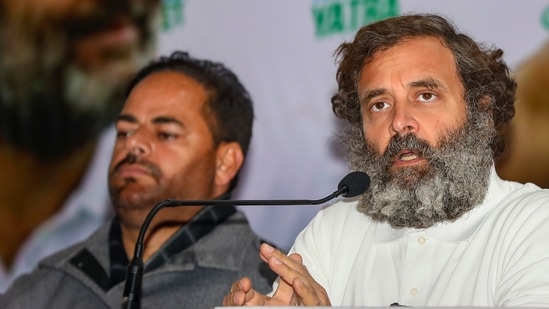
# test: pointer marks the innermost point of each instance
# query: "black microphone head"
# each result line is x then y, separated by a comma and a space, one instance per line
355, 183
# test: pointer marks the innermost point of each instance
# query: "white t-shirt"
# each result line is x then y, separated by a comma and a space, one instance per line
495, 255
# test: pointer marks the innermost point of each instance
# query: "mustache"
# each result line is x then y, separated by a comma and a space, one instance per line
131, 158
410, 142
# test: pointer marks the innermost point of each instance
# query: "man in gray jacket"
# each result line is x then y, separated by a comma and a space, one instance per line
182, 134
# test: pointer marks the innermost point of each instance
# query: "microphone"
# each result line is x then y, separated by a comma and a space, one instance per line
353, 184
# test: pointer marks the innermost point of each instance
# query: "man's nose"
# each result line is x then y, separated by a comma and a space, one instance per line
404, 119
139, 142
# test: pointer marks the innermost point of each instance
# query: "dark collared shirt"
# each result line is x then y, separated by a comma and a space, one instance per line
200, 225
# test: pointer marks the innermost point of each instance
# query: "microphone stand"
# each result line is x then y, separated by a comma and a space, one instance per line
353, 184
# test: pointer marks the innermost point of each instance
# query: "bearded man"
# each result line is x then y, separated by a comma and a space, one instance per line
426, 106
63, 68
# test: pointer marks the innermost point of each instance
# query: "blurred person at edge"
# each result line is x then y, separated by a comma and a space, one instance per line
527, 152
63, 66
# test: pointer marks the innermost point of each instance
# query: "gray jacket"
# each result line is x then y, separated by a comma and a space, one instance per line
198, 277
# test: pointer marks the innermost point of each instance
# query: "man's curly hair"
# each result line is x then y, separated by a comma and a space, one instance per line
483, 72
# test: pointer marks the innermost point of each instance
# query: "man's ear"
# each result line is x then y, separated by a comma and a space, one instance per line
228, 162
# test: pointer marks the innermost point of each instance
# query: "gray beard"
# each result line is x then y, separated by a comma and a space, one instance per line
51, 123
454, 181
49, 107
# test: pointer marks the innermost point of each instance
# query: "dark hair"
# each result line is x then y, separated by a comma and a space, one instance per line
229, 105
482, 71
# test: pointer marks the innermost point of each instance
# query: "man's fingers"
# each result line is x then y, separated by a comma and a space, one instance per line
237, 298
311, 293
296, 258
271, 256
241, 292
244, 284
284, 292
306, 293
267, 251
296, 286
289, 267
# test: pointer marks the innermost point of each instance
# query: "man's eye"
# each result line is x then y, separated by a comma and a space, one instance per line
166, 136
122, 134
378, 106
427, 96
